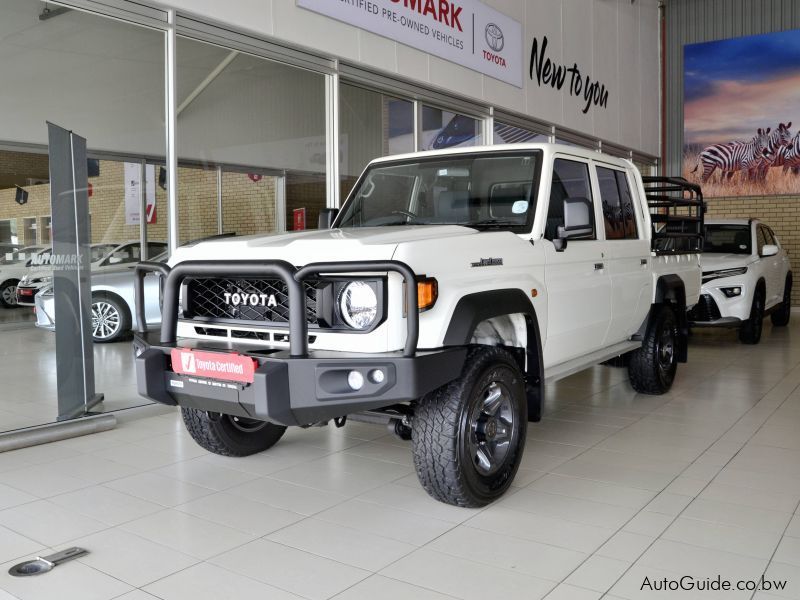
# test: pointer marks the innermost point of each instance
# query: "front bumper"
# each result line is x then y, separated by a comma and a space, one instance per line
715, 309
293, 390
294, 387
26, 294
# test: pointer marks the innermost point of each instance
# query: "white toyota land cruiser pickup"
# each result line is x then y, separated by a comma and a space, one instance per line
450, 288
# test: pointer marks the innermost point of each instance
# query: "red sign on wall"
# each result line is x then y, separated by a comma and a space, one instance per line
299, 220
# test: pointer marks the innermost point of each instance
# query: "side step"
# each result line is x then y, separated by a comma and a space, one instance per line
571, 367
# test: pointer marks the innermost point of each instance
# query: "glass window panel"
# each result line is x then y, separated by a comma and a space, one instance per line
444, 129
254, 116
371, 125
511, 134
570, 180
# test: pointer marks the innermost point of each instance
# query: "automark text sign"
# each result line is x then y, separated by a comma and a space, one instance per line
466, 32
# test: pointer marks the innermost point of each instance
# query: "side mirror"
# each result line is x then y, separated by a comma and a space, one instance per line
769, 250
114, 260
577, 221
327, 216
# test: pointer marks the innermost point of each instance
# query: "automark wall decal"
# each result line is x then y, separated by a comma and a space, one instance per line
466, 32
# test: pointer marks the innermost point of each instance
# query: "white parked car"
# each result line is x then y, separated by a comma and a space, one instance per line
13, 267
452, 286
105, 256
746, 275
113, 314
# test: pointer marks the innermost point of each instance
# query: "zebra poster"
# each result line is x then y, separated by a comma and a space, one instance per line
741, 134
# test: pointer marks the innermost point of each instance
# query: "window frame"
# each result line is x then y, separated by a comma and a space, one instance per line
591, 180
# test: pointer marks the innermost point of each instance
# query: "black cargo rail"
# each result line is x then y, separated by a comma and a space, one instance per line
677, 212
292, 277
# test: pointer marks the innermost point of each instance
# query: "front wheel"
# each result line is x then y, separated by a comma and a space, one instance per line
651, 368
780, 317
750, 331
228, 435
110, 319
8, 293
469, 435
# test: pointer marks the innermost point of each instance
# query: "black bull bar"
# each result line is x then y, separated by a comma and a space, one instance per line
293, 277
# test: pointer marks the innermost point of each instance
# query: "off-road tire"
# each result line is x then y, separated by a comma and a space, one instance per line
651, 368
781, 315
750, 330
448, 427
11, 302
224, 434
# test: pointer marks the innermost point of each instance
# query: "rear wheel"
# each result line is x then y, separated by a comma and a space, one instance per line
469, 435
651, 368
228, 435
8, 293
780, 317
750, 331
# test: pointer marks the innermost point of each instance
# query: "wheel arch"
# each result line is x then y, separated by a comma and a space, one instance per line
480, 307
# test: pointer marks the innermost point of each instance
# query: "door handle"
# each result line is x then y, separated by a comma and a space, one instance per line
598, 266
643, 262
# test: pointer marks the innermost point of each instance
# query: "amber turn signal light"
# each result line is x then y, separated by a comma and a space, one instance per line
427, 292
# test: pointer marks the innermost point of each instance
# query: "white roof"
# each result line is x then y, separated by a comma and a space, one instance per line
544, 146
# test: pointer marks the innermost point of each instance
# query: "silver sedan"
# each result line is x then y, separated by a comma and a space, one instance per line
113, 312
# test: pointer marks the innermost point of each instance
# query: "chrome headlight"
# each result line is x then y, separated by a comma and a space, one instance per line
358, 305
711, 275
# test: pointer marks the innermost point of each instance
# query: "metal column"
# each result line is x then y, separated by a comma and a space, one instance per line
332, 139
171, 126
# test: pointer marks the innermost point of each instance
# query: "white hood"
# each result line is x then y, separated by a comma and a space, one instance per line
713, 261
303, 247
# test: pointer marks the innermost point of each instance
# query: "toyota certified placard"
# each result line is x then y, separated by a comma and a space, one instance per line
466, 32
213, 365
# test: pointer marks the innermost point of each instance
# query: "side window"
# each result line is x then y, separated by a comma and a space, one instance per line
618, 211
760, 239
771, 237
570, 180
628, 210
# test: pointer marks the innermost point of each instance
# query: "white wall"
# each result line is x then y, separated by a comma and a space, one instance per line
613, 41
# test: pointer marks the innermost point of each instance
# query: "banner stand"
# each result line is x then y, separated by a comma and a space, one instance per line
70, 261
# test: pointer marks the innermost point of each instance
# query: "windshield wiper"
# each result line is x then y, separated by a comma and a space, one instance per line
494, 223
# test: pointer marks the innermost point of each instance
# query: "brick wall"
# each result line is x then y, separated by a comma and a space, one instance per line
781, 213
16, 168
248, 206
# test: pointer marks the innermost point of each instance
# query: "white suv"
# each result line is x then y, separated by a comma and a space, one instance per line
746, 274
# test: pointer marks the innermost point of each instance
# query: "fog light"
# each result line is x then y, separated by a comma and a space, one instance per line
355, 380
732, 292
376, 376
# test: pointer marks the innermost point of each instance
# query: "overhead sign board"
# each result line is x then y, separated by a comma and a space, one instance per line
466, 32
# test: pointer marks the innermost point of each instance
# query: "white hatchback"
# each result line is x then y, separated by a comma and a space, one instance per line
746, 274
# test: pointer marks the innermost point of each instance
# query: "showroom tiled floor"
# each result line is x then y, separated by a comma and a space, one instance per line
615, 487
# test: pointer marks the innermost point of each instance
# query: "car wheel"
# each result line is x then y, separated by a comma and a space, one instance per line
469, 435
750, 331
652, 368
8, 293
110, 319
228, 435
780, 317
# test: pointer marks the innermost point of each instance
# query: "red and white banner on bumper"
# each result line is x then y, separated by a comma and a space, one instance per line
213, 365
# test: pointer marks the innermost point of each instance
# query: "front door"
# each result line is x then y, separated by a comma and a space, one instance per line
578, 282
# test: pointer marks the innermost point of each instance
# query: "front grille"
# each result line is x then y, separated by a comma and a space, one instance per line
706, 309
205, 298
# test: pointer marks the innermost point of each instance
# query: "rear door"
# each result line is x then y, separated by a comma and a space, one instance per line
578, 284
627, 251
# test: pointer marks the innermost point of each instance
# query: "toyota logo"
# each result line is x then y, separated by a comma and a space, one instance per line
494, 37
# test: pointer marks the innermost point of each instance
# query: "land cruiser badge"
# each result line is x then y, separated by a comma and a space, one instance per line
488, 262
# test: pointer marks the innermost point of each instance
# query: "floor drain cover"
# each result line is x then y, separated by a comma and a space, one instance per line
43, 564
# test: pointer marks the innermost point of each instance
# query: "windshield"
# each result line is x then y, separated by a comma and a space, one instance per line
728, 239
494, 190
